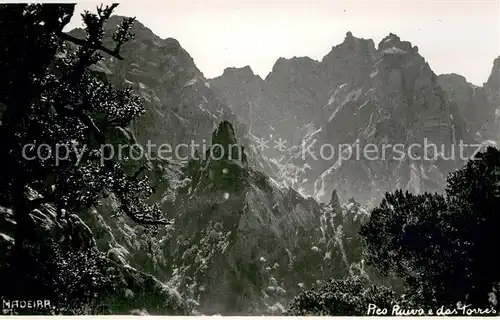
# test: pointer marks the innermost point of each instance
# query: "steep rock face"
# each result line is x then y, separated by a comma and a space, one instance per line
295, 81
348, 62
356, 96
398, 104
493, 83
492, 87
479, 106
248, 96
241, 244
181, 106
465, 95
244, 245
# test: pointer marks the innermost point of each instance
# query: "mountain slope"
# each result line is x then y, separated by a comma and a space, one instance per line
243, 245
480, 106
180, 105
358, 95
247, 237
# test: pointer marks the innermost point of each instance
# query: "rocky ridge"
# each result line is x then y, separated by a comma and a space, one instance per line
241, 243
357, 95
253, 231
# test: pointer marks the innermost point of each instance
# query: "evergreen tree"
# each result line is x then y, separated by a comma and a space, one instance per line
342, 297
442, 247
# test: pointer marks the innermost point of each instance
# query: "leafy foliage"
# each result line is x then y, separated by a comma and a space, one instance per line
341, 297
64, 104
442, 247
56, 115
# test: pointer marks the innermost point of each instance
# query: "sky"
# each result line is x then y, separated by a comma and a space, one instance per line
453, 36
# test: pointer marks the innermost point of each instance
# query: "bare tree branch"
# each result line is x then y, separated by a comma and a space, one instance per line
85, 119
86, 44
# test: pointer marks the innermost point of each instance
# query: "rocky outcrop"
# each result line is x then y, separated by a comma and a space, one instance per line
358, 95
479, 106
251, 98
71, 254
249, 232
180, 105
243, 245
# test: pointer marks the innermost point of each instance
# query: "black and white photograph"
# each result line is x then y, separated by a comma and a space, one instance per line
250, 158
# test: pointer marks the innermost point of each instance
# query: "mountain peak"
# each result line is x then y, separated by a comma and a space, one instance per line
457, 78
334, 200
172, 42
393, 41
224, 134
351, 45
294, 63
392, 37
138, 28
349, 38
493, 82
243, 71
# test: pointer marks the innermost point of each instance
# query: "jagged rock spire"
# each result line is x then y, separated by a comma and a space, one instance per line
394, 41
224, 134
335, 201
225, 137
